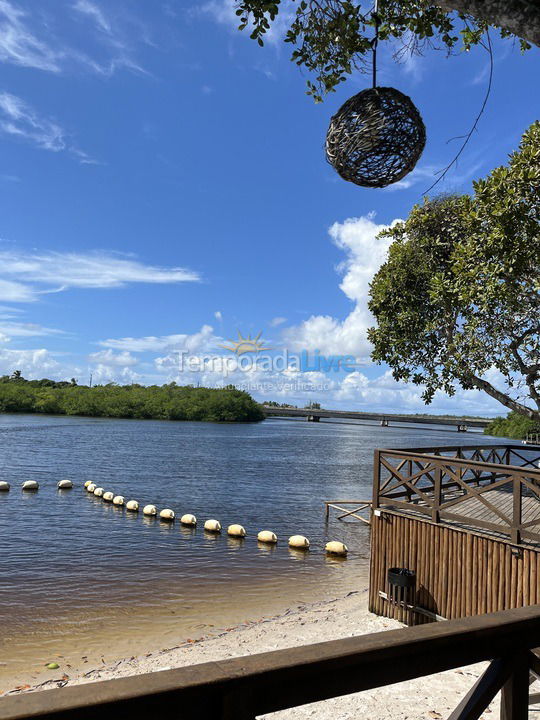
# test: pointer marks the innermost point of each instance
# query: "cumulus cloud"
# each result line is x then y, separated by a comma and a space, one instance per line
275, 322
365, 253
108, 358
27, 275
34, 364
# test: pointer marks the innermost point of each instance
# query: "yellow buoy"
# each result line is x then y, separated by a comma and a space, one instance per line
30, 485
336, 548
188, 519
132, 505
91, 488
299, 541
87, 483
166, 514
118, 500
65, 484
4, 486
150, 510
98, 492
267, 536
212, 526
108, 496
236, 531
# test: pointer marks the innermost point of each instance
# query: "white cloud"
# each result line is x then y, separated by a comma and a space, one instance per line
197, 342
94, 12
19, 119
34, 364
59, 271
365, 253
275, 322
15, 292
218, 315
108, 358
19, 45
224, 13
10, 329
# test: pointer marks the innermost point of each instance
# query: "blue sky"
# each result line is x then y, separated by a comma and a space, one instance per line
163, 185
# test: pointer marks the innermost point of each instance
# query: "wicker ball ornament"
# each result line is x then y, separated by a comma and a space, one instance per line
376, 137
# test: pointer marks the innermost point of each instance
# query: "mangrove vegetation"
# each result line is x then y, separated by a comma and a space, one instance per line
158, 402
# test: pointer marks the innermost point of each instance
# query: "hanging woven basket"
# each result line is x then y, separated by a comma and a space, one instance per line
376, 137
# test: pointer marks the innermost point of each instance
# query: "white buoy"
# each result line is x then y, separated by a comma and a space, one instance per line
30, 485
4, 486
98, 492
213, 526
236, 531
150, 510
267, 536
108, 496
119, 500
336, 548
166, 514
91, 488
87, 483
132, 505
299, 541
65, 484
188, 519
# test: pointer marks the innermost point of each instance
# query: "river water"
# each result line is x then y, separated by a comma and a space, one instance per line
81, 580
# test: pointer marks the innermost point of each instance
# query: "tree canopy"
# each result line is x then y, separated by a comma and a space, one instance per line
457, 302
165, 402
333, 38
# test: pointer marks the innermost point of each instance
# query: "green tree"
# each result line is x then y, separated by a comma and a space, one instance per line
333, 38
459, 294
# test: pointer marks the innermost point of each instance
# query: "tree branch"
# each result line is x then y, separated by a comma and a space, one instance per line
503, 398
521, 17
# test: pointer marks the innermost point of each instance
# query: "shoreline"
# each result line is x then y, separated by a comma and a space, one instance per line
304, 624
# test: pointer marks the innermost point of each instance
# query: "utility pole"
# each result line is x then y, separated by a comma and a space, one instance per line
90, 379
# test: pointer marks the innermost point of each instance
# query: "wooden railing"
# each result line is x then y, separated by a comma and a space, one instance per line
352, 509
438, 482
246, 687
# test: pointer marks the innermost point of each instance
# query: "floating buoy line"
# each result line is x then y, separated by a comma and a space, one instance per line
167, 515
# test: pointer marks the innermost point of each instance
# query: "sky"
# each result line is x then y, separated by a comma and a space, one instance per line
163, 187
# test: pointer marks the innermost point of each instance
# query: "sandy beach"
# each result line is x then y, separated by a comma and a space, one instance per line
325, 620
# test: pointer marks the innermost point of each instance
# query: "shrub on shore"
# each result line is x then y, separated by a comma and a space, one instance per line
158, 402
513, 425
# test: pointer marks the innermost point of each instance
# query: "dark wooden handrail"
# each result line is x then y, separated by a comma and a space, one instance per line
243, 688
418, 481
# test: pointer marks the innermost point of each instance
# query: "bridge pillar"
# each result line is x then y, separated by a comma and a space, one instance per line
313, 418
384, 422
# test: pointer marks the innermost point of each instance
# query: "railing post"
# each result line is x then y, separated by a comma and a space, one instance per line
376, 479
516, 510
515, 692
436, 510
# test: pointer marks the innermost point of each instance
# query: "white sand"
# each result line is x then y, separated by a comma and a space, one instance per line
433, 697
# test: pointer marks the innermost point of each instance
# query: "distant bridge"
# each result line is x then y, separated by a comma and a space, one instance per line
312, 415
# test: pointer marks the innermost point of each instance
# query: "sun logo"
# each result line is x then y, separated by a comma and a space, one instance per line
246, 344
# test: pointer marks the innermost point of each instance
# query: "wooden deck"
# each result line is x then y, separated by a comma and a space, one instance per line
479, 513
465, 521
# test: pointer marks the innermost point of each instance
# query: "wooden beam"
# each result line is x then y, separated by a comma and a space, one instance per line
483, 691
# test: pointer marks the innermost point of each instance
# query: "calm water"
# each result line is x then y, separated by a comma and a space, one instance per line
80, 578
